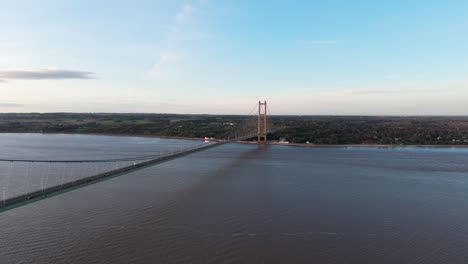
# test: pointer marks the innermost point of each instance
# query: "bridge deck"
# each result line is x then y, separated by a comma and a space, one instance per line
31, 197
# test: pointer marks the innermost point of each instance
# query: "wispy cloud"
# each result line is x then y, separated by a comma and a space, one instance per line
167, 62
184, 14
172, 56
45, 74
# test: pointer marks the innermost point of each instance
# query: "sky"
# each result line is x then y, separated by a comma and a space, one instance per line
362, 57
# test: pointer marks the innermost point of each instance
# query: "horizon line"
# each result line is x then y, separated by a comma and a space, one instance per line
161, 113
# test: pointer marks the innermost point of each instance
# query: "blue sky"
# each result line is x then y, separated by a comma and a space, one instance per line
220, 57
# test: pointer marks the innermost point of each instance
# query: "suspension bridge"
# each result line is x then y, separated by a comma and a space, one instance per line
71, 174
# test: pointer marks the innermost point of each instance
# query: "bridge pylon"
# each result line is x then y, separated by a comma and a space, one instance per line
262, 122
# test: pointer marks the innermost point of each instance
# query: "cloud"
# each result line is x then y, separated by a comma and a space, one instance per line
167, 64
175, 52
45, 74
167, 57
184, 14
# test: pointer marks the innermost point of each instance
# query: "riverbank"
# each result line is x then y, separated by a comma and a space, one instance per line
255, 142
355, 145
113, 135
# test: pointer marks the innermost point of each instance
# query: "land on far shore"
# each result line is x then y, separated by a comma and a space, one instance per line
307, 130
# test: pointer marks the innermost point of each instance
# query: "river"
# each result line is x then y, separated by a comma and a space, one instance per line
242, 203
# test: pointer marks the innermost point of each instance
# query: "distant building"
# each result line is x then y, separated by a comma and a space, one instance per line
208, 139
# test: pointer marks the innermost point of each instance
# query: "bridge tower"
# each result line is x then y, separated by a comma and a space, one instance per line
262, 122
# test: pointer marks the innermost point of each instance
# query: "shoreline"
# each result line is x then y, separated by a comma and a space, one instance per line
355, 145
253, 142
109, 135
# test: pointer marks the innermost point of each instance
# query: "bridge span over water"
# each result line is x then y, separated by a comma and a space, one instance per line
255, 126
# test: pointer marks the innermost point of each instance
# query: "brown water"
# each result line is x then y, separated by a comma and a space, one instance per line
258, 204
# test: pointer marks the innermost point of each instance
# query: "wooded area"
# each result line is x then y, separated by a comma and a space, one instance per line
295, 129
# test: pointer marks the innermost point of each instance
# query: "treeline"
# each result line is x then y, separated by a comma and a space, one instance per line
374, 130
294, 129
194, 126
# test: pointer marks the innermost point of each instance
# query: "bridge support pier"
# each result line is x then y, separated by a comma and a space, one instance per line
262, 122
